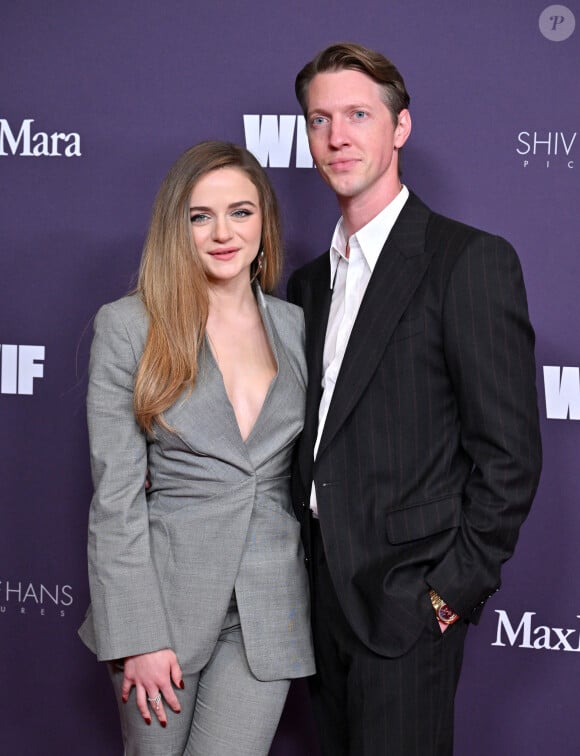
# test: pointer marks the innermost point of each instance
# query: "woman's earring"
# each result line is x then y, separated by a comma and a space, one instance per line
259, 265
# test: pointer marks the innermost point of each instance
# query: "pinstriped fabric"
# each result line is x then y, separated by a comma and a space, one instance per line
371, 705
431, 452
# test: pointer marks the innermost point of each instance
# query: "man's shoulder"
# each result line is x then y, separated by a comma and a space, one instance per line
439, 222
451, 228
458, 249
447, 240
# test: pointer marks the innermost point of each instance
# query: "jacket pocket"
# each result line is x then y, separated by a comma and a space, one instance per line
424, 520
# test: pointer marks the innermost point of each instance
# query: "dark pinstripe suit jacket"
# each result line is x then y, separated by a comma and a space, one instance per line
431, 450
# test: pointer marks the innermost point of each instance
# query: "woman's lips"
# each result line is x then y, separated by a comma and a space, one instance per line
224, 254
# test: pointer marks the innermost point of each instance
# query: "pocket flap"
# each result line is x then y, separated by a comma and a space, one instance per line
424, 520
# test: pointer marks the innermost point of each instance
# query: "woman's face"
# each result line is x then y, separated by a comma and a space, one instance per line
226, 224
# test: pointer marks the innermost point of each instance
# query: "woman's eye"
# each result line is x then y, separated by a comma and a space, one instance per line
198, 217
241, 213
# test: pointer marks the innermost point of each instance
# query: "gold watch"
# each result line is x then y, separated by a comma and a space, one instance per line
443, 611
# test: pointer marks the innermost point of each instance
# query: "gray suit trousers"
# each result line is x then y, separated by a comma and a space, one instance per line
225, 709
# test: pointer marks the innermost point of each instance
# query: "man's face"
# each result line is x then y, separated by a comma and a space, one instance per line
352, 136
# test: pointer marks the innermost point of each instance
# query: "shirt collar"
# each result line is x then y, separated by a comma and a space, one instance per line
370, 238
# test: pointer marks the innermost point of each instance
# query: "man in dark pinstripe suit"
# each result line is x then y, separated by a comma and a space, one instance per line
421, 452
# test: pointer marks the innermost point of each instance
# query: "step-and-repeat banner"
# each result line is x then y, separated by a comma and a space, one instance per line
96, 101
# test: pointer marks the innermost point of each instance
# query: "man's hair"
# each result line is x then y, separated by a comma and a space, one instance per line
351, 56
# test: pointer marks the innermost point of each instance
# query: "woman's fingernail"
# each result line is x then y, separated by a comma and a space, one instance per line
163, 724
182, 685
148, 721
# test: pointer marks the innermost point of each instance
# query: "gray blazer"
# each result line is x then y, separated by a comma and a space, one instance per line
217, 517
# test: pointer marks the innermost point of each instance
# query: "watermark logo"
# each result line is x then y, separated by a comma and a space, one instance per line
557, 23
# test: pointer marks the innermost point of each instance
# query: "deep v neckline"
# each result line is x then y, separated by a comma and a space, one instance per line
271, 343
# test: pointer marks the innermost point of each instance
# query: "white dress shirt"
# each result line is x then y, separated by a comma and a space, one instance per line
349, 278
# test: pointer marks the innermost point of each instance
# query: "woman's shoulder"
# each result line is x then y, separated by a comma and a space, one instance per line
288, 321
129, 306
128, 309
283, 310
123, 318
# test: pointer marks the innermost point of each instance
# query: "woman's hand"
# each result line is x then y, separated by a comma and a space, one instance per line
152, 675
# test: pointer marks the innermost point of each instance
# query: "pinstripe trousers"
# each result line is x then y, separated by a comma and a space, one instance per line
369, 705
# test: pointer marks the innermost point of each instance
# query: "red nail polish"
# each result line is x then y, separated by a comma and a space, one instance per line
148, 721
182, 685
163, 724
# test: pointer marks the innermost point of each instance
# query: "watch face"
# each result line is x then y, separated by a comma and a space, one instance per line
446, 614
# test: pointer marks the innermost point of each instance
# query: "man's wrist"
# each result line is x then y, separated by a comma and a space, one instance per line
443, 611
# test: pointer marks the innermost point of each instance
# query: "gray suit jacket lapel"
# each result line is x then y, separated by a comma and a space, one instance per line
266, 427
208, 411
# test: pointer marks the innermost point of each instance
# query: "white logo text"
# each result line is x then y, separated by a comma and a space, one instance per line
546, 147
525, 635
270, 138
562, 390
23, 141
19, 366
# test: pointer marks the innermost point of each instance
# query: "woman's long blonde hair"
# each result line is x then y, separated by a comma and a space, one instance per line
173, 284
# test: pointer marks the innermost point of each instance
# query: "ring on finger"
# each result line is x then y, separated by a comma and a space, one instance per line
155, 701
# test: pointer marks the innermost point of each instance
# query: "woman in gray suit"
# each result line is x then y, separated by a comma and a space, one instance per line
199, 598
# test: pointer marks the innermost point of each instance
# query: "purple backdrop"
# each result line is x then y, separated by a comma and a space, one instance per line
126, 87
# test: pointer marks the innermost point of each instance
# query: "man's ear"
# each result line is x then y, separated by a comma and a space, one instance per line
403, 128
